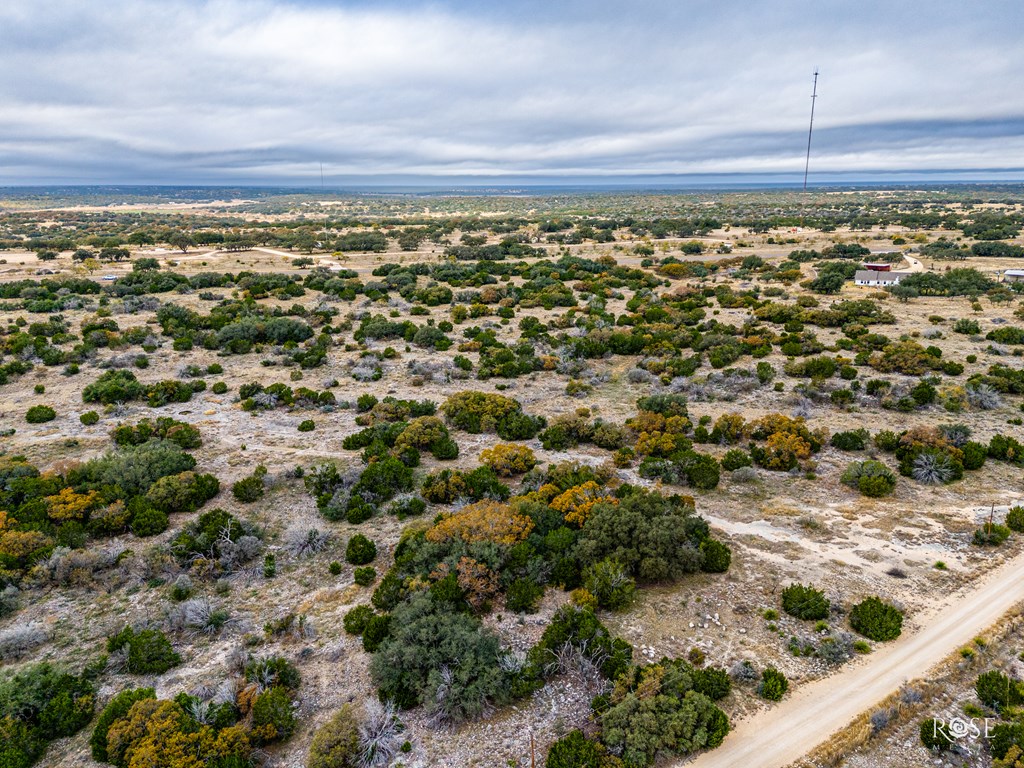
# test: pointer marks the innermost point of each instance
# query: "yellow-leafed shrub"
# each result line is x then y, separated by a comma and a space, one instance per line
483, 521
576, 503
68, 505
507, 459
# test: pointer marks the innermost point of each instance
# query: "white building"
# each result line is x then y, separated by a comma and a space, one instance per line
1013, 276
874, 278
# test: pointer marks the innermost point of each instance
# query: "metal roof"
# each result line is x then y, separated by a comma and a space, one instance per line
872, 275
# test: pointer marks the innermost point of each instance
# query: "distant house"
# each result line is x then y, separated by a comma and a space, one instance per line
1013, 276
875, 278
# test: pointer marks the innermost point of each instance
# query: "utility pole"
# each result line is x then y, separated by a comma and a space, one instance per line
810, 130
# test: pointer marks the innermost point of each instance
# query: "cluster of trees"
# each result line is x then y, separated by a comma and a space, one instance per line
122, 386
39, 704
572, 531
133, 488
137, 728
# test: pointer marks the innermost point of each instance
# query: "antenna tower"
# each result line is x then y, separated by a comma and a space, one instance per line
810, 130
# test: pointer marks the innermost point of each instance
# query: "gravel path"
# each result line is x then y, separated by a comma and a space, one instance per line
810, 716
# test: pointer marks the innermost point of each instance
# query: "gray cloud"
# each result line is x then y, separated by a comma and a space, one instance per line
263, 91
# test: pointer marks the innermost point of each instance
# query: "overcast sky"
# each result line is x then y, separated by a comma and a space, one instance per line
263, 91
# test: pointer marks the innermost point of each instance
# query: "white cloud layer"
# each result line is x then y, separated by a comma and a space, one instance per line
259, 91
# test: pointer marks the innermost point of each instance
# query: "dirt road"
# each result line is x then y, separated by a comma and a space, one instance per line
915, 264
790, 730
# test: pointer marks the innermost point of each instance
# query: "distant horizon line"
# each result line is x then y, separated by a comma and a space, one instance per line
594, 183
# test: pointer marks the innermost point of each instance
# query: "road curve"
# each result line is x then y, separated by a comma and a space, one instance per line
816, 711
915, 264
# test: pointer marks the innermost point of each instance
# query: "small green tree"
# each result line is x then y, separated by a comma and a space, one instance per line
773, 684
934, 736
805, 602
574, 751
360, 550
876, 620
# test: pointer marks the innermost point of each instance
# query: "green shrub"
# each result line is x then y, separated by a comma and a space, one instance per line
609, 582
273, 671
735, 458
805, 602
335, 568
116, 708
272, 714
180, 433
1004, 736
357, 618
855, 440
360, 550
183, 492
876, 620
206, 537
147, 520
336, 743
933, 735
251, 488
21, 744
974, 455
871, 478
149, 650
580, 628
376, 631
1015, 519
425, 637
39, 414
364, 577
89, 418
382, 480
574, 750
717, 556
713, 682
997, 690
410, 507
887, 440
677, 721
115, 386
523, 595
133, 470
307, 426
967, 326
991, 535
49, 702
654, 537
219, 388
773, 685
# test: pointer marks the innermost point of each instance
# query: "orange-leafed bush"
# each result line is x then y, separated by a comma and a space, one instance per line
784, 448
507, 459
478, 582
656, 444
544, 494
19, 544
730, 428
778, 422
483, 521
421, 433
576, 503
647, 421
157, 733
68, 505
